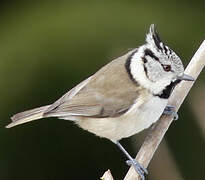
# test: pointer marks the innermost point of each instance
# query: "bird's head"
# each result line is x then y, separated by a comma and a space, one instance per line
156, 66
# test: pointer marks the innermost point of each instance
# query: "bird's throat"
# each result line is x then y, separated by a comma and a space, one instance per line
168, 90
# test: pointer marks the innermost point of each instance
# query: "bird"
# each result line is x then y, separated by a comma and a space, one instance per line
121, 99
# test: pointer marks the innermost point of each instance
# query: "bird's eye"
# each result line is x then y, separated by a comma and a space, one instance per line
166, 67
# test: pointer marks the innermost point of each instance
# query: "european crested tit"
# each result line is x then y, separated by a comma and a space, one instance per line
123, 98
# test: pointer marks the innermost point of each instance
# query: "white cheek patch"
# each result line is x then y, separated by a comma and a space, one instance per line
138, 73
157, 73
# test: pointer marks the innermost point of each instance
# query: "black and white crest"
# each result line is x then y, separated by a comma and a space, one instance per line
155, 36
155, 42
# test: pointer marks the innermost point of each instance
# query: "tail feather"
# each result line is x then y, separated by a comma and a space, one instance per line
27, 116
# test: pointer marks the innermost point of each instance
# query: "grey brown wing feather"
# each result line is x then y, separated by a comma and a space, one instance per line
109, 92
68, 96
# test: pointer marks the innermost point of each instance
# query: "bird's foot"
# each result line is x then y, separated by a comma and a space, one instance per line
138, 168
132, 162
171, 110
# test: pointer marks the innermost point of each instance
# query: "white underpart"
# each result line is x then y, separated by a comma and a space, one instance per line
141, 115
138, 73
146, 114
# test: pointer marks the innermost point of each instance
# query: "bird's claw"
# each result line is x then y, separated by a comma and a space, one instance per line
176, 117
171, 110
138, 168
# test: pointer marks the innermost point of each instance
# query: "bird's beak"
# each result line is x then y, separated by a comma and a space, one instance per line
186, 77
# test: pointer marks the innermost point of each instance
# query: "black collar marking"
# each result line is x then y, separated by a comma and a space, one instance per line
168, 90
127, 66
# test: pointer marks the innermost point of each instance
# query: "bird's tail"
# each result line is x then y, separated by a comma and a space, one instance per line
27, 116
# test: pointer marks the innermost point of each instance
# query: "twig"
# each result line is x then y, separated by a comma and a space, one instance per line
107, 176
156, 134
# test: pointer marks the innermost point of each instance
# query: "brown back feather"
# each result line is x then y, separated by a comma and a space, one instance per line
109, 92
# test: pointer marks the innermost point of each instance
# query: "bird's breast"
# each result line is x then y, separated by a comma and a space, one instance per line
140, 116
143, 115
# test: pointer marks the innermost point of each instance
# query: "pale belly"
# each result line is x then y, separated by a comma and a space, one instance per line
139, 117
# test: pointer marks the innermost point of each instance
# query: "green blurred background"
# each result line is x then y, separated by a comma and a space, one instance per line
47, 47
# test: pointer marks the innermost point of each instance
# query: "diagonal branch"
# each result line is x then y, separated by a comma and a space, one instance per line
156, 134
107, 176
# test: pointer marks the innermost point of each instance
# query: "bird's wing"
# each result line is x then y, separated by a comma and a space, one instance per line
109, 92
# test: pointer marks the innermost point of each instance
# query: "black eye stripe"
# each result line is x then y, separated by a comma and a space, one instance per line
151, 54
145, 70
144, 60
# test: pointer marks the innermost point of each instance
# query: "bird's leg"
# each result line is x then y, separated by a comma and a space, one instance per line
170, 110
132, 162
